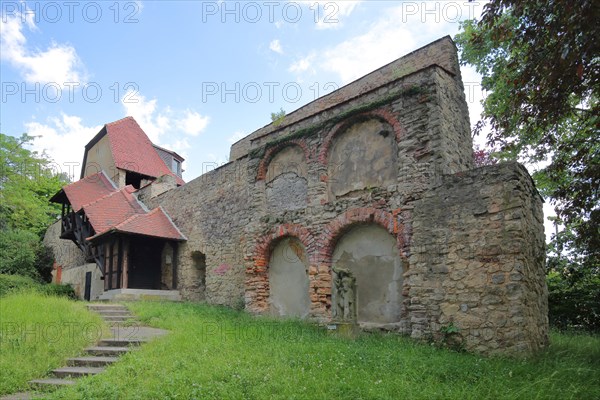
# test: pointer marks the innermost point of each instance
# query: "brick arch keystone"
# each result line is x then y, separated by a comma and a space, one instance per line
270, 153
381, 114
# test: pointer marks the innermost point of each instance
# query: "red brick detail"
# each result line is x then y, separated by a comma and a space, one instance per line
270, 153
381, 114
343, 223
257, 277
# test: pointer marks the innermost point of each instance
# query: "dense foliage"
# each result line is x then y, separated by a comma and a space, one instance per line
540, 67
27, 180
574, 300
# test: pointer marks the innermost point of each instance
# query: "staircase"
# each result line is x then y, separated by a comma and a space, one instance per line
98, 357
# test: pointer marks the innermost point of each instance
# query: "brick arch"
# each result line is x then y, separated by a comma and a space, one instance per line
265, 244
270, 153
382, 115
257, 277
390, 221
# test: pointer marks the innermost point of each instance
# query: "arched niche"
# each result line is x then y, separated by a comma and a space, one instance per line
362, 156
286, 179
288, 279
370, 253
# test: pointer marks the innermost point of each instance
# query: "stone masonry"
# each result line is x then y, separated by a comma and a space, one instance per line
376, 177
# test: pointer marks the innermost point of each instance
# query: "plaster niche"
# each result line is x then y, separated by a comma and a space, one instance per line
288, 279
362, 156
286, 178
370, 254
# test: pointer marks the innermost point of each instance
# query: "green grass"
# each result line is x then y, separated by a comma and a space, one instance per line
37, 333
218, 353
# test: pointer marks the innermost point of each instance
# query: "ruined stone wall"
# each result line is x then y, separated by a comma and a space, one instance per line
392, 154
441, 53
211, 211
66, 253
368, 161
477, 261
70, 259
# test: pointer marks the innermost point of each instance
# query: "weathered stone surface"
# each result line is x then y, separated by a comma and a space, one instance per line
391, 153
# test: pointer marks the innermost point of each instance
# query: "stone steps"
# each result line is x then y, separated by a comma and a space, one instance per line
76, 372
91, 361
112, 313
120, 342
103, 351
97, 357
50, 383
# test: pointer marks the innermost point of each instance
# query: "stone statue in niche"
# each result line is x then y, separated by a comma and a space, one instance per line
345, 299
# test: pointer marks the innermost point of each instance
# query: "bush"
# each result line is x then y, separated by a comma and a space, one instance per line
24, 254
18, 249
18, 283
53, 289
15, 283
574, 304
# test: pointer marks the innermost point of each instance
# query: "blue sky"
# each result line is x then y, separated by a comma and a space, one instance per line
196, 75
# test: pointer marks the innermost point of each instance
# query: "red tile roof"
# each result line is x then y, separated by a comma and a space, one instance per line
156, 223
89, 189
133, 151
120, 211
112, 209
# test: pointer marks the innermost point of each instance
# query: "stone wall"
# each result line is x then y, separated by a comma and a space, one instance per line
377, 179
211, 211
66, 253
477, 261
71, 262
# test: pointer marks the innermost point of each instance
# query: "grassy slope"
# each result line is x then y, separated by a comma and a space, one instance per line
219, 353
37, 333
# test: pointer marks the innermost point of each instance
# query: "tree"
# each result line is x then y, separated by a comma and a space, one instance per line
277, 117
482, 157
540, 65
27, 182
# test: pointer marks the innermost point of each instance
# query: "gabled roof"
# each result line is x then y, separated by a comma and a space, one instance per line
85, 191
156, 224
132, 150
112, 209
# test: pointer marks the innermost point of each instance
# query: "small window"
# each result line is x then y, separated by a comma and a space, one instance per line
176, 166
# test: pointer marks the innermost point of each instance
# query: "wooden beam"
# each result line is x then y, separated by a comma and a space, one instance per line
175, 247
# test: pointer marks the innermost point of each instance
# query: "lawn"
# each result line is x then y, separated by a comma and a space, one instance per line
218, 353
37, 333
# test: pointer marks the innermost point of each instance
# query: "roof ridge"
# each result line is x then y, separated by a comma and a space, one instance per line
121, 190
109, 180
127, 220
119, 120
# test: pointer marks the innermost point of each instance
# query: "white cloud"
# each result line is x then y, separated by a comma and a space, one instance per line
303, 64
385, 41
193, 123
334, 12
63, 139
329, 14
59, 63
399, 30
275, 46
145, 112
166, 127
